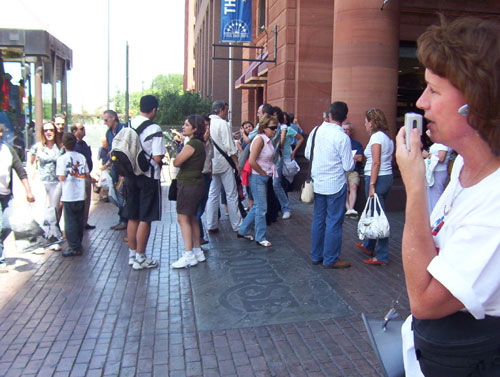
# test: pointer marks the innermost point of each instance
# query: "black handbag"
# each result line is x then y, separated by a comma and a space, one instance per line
172, 190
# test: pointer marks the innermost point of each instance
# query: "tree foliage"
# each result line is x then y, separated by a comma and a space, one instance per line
169, 83
175, 105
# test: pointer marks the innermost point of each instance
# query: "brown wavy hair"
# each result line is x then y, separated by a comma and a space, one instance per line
466, 51
265, 121
379, 121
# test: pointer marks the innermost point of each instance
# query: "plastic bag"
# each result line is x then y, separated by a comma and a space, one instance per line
105, 180
373, 223
290, 169
21, 222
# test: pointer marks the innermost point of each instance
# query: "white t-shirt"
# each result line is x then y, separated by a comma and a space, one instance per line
468, 262
387, 149
434, 150
74, 167
152, 142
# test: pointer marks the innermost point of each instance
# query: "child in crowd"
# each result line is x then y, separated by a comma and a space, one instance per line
71, 169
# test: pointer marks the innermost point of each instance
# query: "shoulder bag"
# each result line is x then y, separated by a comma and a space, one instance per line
307, 191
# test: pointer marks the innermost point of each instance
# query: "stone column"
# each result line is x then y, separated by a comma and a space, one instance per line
365, 59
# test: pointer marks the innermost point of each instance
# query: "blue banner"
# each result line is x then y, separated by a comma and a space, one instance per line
236, 20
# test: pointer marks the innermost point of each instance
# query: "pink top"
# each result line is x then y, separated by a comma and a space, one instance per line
266, 156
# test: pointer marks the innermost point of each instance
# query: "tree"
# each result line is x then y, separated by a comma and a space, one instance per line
172, 82
175, 105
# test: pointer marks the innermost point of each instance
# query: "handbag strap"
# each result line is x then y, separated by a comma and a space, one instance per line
224, 154
377, 206
312, 152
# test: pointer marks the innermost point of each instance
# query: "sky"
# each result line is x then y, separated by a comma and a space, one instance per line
154, 30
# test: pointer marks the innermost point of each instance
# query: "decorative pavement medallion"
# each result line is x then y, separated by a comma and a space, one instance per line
245, 285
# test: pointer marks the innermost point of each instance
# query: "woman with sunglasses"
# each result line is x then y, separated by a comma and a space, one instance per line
44, 154
263, 168
378, 178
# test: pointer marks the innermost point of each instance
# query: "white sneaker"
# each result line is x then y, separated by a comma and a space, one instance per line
55, 247
199, 255
145, 263
351, 212
286, 215
185, 261
131, 260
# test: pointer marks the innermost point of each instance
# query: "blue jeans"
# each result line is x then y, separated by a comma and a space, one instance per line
326, 233
281, 195
382, 188
120, 195
203, 203
257, 214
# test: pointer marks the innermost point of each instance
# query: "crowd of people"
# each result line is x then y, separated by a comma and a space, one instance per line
248, 172
450, 244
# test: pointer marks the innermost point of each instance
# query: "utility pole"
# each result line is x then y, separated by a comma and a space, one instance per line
230, 91
107, 101
126, 86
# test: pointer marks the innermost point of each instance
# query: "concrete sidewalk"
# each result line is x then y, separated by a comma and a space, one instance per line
247, 311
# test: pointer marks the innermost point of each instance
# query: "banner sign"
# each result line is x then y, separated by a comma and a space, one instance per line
236, 20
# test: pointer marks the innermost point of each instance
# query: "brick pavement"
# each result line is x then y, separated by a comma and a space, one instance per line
94, 316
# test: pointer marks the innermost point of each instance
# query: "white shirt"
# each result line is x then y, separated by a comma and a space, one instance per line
332, 158
152, 142
434, 150
387, 149
468, 262
5, 169
73, 166
220, 132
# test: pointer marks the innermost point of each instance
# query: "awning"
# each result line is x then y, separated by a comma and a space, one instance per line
255, 75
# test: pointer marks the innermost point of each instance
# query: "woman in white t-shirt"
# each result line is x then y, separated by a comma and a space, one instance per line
451, 258
436, 171
378, 178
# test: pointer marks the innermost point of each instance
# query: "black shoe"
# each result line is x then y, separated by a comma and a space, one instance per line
315, 263
89, 227
69, 253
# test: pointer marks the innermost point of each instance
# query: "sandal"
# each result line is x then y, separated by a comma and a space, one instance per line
375, 262
360, 246
249, 237
264, 243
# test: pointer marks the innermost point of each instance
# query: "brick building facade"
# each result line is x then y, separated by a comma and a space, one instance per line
327, 50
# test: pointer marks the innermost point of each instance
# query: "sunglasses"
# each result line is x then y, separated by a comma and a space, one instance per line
273, 128
48, 130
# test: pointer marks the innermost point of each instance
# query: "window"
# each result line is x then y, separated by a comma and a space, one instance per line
262, 16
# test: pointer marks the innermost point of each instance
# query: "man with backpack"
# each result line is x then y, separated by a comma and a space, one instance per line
143, 191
